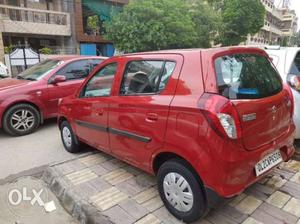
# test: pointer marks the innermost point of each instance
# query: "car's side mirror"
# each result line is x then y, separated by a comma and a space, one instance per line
58, 79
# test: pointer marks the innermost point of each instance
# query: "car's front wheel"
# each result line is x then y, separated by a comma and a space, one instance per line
68, 138
181, 191
21, 119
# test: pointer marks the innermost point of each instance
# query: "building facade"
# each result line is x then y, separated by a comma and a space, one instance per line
37, 24
280, 26
90, 41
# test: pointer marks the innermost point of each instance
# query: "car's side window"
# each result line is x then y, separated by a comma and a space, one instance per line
146, 77
95, 62
101, 83
76, 70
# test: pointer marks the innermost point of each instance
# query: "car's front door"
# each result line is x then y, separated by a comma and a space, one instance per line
74, 73
91, 111
139, 112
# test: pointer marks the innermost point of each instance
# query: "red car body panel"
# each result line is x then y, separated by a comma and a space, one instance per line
39, 93
175, 124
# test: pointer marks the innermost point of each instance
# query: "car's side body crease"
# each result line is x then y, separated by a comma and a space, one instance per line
113, 131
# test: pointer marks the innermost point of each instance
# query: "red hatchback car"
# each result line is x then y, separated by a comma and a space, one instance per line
208, 123
31, 97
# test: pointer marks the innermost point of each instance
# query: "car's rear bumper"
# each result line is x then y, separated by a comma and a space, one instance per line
233, 167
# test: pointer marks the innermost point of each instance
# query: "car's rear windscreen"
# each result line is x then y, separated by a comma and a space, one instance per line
246, 76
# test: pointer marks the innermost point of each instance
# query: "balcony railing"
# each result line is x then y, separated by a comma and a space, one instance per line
33, 15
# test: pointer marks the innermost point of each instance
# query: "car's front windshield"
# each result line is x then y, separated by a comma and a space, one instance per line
39, 70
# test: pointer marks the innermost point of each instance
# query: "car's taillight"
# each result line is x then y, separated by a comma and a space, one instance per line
290, 100
222, 115
228, 124
294, 81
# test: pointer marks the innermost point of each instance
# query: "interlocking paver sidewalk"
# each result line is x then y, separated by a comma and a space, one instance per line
100, 189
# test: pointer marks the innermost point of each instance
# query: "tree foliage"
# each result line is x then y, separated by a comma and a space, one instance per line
93, 23
207, 23
298, 39
151, 25
239, 18
167, 24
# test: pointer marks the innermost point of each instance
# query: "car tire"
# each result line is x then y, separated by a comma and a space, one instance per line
21, 119
70, 142
194, 200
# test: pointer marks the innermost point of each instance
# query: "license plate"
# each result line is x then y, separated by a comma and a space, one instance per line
268, 163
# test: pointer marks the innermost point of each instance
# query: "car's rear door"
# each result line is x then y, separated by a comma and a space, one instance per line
91, 111
140, 106
256, 90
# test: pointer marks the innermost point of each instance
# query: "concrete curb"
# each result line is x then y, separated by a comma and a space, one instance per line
77, 207
71, 202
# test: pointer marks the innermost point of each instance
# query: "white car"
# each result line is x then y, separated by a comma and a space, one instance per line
3, 71
287, 62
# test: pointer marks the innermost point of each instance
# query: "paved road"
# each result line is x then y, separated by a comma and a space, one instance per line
28, 152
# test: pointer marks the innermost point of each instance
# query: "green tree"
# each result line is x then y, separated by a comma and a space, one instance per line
93, 23
239, 18
298, 39
152, 25
207, 23
284, 42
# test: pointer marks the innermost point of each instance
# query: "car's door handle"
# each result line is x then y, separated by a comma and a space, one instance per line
100, 112
151, 117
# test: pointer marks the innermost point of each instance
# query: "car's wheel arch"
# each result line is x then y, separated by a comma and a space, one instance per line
164, 156
61, 119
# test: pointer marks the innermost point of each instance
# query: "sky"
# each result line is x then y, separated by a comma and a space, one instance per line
295, 5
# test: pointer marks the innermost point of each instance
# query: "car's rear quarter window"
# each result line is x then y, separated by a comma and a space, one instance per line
246, 76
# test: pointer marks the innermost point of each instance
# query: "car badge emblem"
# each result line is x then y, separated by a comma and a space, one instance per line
274, 109
249, 117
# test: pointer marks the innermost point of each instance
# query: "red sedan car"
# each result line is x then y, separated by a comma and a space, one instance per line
31, 97
208, 123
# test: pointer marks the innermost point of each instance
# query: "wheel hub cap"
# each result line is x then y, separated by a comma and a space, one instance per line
22, 120
178, 192
67, 136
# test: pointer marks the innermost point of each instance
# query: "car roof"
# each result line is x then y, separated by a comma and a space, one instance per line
183, 51
75, 57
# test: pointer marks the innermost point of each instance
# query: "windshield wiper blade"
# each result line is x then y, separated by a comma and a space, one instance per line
20, 77
30, 79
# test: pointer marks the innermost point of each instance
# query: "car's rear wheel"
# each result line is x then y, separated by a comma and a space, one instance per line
21, 119
181, 191
68, 138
